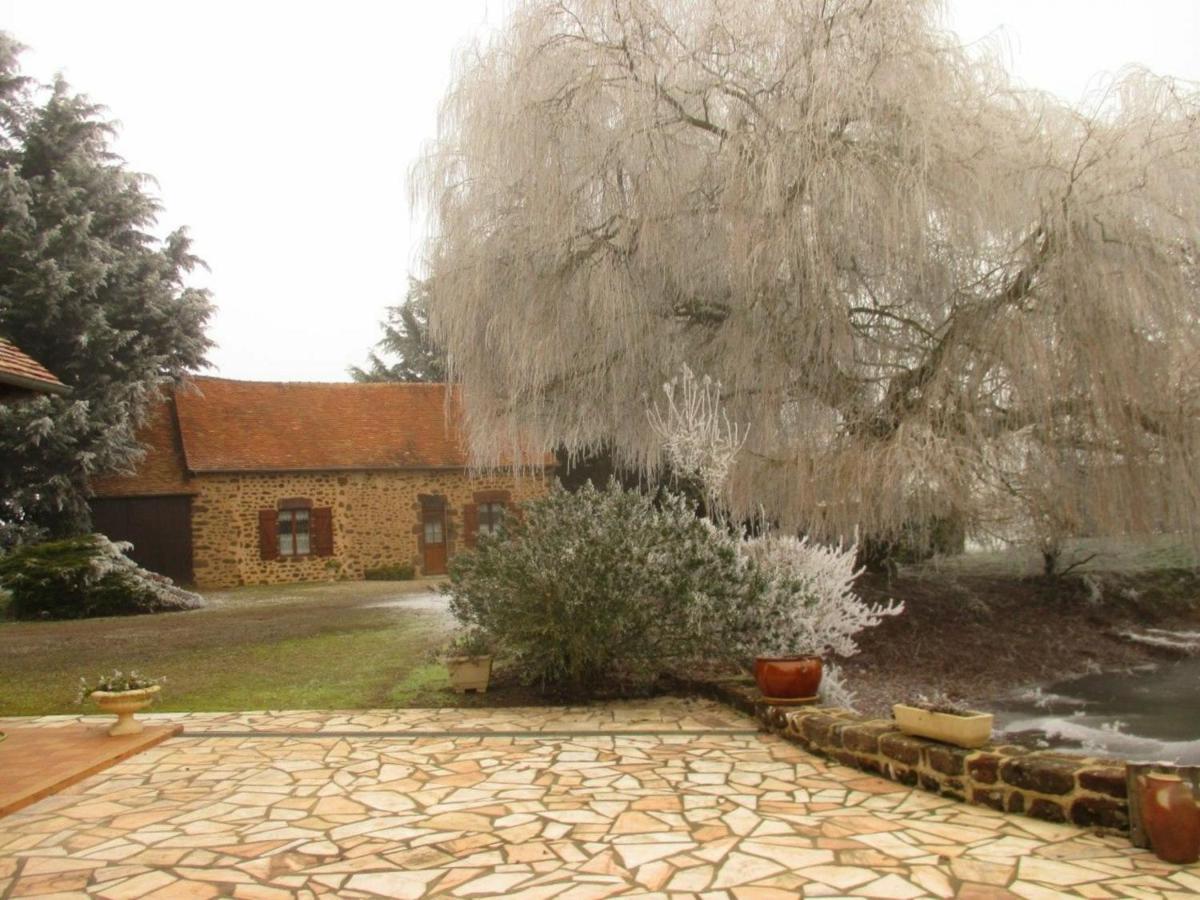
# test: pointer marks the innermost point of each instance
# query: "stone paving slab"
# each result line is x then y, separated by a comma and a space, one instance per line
722, 815
38, 762
656, 715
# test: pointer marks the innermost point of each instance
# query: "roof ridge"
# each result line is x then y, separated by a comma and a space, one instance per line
336, 384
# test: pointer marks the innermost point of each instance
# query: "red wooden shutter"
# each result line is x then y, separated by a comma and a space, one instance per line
470, 523
268, 534
322, 530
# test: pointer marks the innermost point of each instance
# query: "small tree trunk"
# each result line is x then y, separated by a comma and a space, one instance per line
1051, 554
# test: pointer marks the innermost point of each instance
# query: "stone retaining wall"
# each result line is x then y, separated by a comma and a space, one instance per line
1056, 787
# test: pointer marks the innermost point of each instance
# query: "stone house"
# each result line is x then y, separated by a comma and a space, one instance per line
22, 377
249, 482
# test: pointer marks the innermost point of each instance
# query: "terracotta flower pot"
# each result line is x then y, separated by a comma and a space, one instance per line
1171, 817
124, 704
788, 678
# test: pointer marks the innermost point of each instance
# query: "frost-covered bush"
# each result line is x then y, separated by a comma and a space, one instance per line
698, 440
86, 576
807, 604
602, 588
834, 690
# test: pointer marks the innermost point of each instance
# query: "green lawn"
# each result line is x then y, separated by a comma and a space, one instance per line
291, 647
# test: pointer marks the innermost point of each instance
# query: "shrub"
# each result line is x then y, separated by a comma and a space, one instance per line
471, 642
807, 604
83, 577
397, 572
602, 588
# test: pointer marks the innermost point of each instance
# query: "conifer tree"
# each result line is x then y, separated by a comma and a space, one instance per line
88, 291
406, 337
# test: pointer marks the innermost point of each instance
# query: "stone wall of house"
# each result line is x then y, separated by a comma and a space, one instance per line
376, 520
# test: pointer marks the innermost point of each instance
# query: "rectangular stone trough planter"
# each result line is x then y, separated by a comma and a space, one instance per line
469, 673
973, 730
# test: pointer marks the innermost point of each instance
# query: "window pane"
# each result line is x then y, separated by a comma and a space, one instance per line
287, 546
433, 532
301, 523
490, 516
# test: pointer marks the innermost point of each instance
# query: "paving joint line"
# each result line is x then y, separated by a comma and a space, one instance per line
471, 733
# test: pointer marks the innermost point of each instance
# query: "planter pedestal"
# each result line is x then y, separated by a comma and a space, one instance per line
124, 704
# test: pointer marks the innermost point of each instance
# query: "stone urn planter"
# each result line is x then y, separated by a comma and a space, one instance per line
469, 673
124, 704
788, 680
962, 729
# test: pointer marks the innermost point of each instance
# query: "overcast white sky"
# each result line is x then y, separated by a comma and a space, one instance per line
281, 133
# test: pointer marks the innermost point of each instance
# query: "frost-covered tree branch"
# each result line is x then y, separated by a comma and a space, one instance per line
697, 437
913, 280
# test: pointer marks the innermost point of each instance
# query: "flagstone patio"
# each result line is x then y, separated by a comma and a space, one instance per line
662, 798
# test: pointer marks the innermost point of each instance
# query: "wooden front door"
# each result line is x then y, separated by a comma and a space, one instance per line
160, 529
433, 530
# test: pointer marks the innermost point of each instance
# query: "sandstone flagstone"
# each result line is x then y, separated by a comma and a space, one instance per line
410, 806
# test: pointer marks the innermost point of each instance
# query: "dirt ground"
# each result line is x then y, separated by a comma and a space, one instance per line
979, 637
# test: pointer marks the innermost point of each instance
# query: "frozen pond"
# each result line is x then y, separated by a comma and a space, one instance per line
1142, 716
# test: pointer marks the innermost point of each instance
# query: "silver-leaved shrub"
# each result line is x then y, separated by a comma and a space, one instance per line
604, 590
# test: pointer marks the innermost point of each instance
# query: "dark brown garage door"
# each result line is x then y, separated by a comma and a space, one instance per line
160, 529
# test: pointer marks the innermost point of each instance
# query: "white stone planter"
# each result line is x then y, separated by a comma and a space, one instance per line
124, 704
970, 731
469, 673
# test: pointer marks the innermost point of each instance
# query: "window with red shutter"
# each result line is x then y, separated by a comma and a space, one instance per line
485, 514
491, 515
470, 523
322, 531
268, 540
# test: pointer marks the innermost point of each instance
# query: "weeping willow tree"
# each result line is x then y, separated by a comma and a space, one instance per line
924, 291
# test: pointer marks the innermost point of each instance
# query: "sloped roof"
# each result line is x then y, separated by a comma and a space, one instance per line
21, 370
243, 426
161, 470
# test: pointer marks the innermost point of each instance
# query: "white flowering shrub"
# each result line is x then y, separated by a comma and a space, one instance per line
697, 437
808, 604
834, 690
805, 601
86, 576
603, 590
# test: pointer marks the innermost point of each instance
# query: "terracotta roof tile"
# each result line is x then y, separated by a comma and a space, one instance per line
230, 426
220, 425
161, 470
19, 369
268, 426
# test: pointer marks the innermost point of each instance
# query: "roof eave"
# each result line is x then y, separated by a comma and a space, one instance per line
34, 384
323, 469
